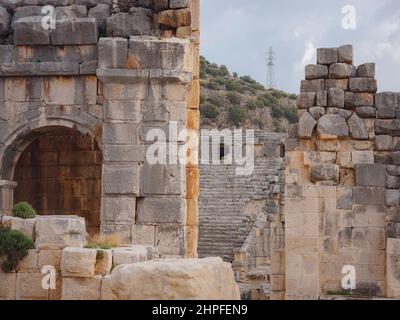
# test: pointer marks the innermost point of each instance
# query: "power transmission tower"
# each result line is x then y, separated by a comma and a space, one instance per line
271, 83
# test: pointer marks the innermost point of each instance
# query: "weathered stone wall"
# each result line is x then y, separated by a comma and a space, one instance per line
60, 173
342, 186
141, 74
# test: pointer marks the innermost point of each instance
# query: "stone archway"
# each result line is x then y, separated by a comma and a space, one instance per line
58, 170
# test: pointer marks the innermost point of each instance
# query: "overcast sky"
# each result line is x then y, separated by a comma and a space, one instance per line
238, 33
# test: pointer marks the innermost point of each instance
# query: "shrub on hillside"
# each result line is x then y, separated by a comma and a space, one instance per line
234, 98
237, 115
209, 111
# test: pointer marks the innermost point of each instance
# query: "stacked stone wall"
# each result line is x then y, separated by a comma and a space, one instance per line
342, 191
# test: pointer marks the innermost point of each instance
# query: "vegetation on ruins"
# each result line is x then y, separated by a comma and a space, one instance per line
239, 101
23, 210
14, 245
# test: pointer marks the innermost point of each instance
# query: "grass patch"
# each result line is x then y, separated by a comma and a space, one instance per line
23, 210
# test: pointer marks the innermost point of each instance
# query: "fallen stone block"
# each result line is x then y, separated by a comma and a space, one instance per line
59, 232
78, 262
205, 279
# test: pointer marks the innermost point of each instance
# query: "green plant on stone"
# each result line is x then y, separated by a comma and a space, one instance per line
14, 245
23, 210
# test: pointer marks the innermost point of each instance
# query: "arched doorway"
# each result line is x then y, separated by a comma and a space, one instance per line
59, 173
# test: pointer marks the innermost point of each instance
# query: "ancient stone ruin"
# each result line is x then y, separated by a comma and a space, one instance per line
81, 85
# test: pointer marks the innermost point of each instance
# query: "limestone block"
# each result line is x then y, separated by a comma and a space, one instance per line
163, 179
113, 53
316, 71
121, 179
78, 262
171, 240
134, 254
346, 54
384, 143
366, 112
49, 258
324, 173
393, 182
124, 153
129, 24
75, 31
58, 232
327, 56
161, 5
345, 198
120, 133
160, 210
29, 287
369, 195
345, 114
104, 260
370, 175
354, 100
175, 18
317, 112
306, 125
8, 286
92, 3
74, 11
393, 267
312, 85
29, 31
143, 235
362, 157
306, 100
336, 98
337, 83
166, 54
388, 127
366, 70
57, 68
386, 104
332, 126
322, 98
363, 85
81, 288
118, 209
123, 232
357, 128
178, 4
342, 71
392, 197
126, 110
101, 12
30, 263
205, 279
5, 19
26, 226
